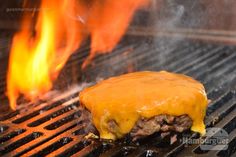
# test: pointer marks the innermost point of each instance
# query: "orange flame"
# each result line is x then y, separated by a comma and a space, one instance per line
36, 59
108, 23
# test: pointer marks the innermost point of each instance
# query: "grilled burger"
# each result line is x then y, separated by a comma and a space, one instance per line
142, 103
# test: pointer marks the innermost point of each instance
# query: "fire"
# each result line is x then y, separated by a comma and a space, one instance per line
108, 23
38, 56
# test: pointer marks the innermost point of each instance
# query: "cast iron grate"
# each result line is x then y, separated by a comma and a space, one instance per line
56, 127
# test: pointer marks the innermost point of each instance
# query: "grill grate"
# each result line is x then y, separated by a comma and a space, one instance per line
57, 128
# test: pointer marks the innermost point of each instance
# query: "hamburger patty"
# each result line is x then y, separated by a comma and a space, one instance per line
160, 123
148, 126
119, 104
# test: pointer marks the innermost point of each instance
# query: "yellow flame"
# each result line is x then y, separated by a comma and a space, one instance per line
37, 58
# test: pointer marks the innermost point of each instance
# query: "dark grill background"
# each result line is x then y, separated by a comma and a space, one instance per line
56, 127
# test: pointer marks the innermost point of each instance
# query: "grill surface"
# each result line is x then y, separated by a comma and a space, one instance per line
56, 128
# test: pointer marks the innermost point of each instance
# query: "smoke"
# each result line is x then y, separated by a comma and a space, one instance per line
171, 16
180, 14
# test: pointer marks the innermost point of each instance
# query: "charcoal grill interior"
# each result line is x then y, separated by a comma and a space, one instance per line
56, 127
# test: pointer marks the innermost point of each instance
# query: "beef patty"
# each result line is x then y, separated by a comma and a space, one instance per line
118, 104
161, 123
164, 124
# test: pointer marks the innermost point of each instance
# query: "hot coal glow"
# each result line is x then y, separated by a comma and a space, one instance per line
37, 58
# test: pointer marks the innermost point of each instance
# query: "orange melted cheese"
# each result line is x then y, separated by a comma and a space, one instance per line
126, 98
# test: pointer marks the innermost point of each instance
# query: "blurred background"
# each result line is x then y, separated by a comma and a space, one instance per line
201, 14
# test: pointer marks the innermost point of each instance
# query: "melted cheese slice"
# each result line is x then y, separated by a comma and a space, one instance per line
126, 98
